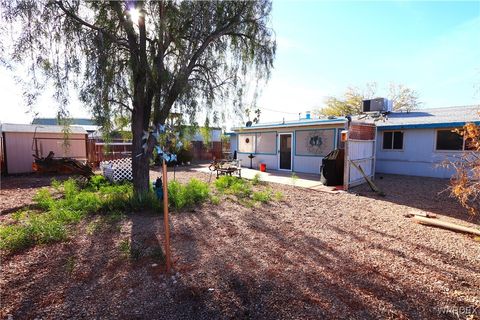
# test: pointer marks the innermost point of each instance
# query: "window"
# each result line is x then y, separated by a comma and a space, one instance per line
246, 143
314, 142
266, 142
393, 140
449, 140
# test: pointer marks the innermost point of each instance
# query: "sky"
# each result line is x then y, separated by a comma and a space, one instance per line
324, 47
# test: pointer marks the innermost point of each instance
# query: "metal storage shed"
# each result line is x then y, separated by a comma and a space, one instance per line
21, 141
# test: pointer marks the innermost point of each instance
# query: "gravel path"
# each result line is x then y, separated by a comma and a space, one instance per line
313, 255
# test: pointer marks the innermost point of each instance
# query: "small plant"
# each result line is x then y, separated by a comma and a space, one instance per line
232, 185
194, 192
125, 247
263, 196
56, 184
215, 200
43, 199
294, 178
256, 179
98, 181
70, 264
278, 196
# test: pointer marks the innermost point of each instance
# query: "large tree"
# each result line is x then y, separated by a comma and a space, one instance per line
403, 98
141, 58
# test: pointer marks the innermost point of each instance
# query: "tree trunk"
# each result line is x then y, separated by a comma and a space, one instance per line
140, 161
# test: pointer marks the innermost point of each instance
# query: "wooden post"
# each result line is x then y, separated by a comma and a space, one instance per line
165, 216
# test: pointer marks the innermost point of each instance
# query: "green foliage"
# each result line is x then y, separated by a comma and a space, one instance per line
256, 179
57, 215
263, 196
215, 200
98, 181
214, 44
43, 199
233, 185
350, 103
194, 192
278, 196
197, 191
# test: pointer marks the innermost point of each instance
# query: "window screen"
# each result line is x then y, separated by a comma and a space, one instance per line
266, 142
246, 142
398, 140
387, 140
393, 140
314, 142
449, 140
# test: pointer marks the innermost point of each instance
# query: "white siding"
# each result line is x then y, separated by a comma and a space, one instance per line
418, 157
307, 164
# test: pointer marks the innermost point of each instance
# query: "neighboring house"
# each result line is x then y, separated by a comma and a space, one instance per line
408, 143
419, 142
88, 124
21, 141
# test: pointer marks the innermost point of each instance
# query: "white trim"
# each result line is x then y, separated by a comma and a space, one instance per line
393, 140
291, 150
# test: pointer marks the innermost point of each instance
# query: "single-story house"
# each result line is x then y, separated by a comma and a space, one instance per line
417, 143
410, 143
289, 145
21, 141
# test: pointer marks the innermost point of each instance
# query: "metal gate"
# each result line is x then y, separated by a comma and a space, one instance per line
359, 152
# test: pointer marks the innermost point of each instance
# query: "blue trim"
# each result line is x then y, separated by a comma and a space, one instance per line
426, 125
314, 155
289, 124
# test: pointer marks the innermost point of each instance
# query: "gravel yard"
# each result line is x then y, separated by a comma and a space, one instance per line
313, 255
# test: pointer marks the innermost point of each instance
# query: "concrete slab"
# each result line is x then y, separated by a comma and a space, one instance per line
303, 180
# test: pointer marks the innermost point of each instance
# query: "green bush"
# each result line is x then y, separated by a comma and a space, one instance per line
233, 185
263, 196
194, 192
98, 181
176, 195
256, 179
14, 238
43, 199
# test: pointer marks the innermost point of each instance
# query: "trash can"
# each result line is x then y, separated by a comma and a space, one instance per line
263, 167
331, 170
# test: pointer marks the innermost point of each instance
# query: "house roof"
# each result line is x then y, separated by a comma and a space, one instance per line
431, 118
294, 123
10, 127
86, 123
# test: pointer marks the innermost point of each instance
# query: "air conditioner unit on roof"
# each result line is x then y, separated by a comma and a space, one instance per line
377, 105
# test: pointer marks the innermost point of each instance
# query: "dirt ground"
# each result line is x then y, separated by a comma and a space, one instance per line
313, 255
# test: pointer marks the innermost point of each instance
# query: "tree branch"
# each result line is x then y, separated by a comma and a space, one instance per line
84, 23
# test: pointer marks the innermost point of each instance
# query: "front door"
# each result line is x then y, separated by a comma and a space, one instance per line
285, 160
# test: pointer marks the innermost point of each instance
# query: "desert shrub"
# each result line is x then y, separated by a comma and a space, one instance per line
256, 179
176, 194
98, 181
14, 238
263, 196
196, 191
278, 196
233, 185
215, 200
465, 184
43, 199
